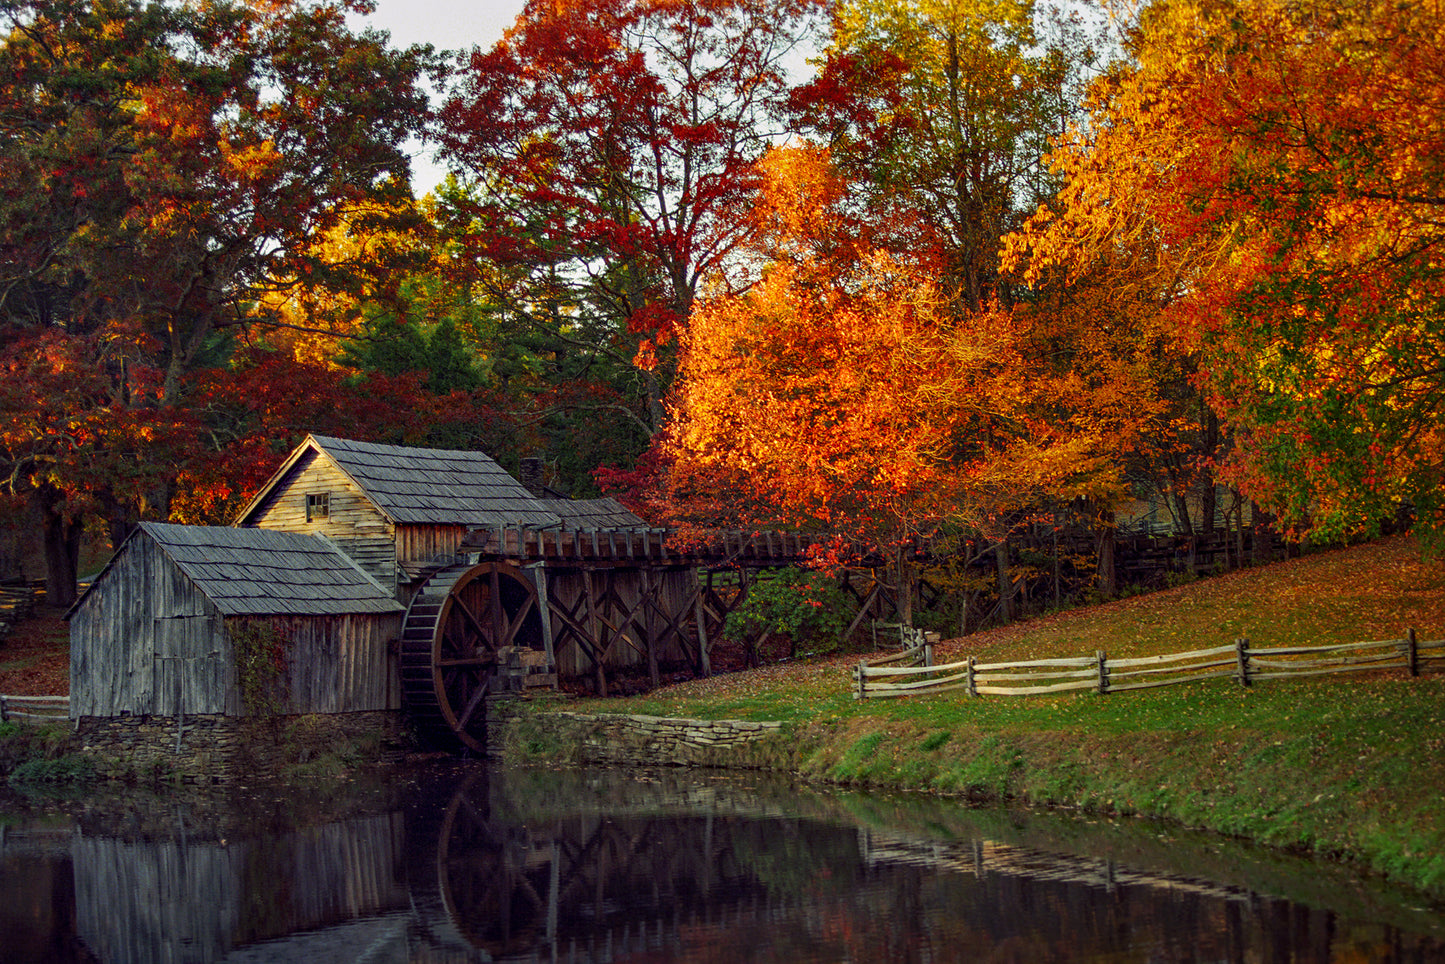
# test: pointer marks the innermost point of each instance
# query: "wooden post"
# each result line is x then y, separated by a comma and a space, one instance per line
861, 692
539, 580
1412, 658
649, 620
704, 645
1103, 671
594, 624
972, 689
1241, 653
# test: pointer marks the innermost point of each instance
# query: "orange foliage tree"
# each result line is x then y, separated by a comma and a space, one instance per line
844, 393
1293, 146
1102, 279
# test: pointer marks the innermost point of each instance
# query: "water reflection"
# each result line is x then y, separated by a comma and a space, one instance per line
471, 865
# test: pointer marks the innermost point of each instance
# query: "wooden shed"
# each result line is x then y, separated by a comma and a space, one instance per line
152, 635
398, 511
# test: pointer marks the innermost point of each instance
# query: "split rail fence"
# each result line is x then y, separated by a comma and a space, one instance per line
16, 605
34, 709
894, 676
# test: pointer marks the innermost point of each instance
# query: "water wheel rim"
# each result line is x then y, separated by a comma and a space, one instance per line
456, 625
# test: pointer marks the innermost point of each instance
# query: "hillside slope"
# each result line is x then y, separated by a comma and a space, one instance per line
1344, 766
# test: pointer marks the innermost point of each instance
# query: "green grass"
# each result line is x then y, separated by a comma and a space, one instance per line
1348, 766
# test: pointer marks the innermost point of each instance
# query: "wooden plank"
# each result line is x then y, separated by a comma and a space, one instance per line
1188, 678
931, 692
1032, 690
913, 652
1313, 650
909, 687
1211, 664
915, 670
1070, 674
1172, 657
1379, 661
1075, 661
1302, 673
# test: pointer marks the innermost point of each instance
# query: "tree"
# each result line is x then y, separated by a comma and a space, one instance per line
611, 144
1300, 148
162, 166
1101, 280
253, 412
75, 441
843, 393
940, 112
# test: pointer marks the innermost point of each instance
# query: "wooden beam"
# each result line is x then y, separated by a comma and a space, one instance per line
649, 603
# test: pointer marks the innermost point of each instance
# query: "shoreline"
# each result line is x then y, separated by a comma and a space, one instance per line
1126, 775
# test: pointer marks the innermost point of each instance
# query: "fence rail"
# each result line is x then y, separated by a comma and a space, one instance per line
917, 646
874, 679
34, 709
16, 605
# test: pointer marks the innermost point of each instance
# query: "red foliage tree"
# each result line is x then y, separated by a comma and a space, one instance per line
612, 145
161, 166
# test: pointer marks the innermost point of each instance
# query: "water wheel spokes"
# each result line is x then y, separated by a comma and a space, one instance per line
459, 621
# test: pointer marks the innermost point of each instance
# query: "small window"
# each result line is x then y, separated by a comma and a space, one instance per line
318, 506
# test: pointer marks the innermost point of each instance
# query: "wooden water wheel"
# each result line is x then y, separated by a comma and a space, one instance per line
455, 627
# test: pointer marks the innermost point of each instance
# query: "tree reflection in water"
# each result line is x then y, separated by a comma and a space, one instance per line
478, 865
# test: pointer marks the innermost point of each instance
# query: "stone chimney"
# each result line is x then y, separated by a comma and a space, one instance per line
531, 472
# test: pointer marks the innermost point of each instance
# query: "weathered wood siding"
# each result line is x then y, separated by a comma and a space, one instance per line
352, 522
145, 641
337, 664
418, 546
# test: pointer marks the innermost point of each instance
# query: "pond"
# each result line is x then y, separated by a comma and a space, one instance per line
460, 863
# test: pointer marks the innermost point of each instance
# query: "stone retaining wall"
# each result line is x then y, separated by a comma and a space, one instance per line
516, 732
215, 749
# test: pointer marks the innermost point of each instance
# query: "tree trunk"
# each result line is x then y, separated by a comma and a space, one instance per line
1108, 576
903, 570
1208, 501
62, 548
1058, 595
1005, 582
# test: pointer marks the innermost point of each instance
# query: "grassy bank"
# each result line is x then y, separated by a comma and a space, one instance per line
1350, 767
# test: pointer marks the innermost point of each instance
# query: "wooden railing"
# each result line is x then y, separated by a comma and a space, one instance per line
880, 678
622, 544
34, 709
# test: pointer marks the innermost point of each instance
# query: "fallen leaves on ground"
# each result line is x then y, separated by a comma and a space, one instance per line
35, 656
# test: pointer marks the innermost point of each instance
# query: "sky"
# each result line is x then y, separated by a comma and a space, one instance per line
446, 25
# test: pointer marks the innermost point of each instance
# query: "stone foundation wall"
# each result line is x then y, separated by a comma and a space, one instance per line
214, 749
517, 732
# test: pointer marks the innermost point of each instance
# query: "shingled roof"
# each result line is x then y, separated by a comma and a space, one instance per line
594, 514
265, 572
414, 486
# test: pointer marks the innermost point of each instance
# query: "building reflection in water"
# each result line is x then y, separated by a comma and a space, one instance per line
547, 866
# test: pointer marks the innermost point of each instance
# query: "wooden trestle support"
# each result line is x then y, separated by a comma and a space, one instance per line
626, 598
517, 607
